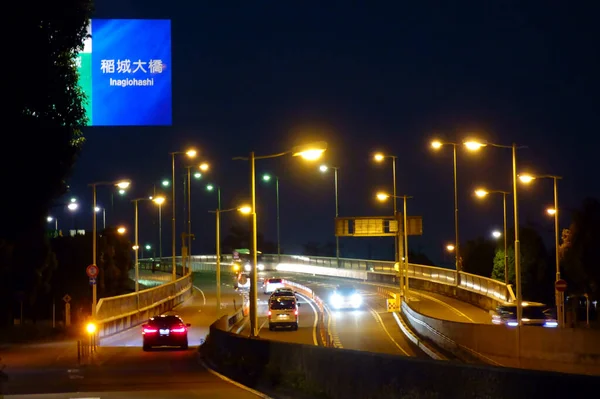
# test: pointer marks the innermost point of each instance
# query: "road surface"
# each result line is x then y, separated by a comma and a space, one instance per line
121, 369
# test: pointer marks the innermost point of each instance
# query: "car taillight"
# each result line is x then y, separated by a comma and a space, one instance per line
178, 330
149, 330
269, 314
296, 312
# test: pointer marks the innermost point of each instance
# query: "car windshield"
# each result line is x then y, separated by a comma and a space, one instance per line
283, 303
346, 290
274, 281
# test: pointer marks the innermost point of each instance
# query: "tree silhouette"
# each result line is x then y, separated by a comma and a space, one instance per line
49, 113
580, 250
478, 256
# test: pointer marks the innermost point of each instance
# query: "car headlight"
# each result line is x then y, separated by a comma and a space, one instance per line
336, 300
248, 267
261, 266
356, 300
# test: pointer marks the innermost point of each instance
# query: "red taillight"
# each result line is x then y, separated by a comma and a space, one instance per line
178, 330
149, 330
269, 314
296, 312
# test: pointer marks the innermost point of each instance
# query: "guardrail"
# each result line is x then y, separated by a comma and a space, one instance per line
322, 322
117, 313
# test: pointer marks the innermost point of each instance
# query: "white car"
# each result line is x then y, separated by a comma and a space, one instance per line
242, 282
271, 284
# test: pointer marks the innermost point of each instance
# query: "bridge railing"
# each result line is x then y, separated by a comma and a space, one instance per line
493, 289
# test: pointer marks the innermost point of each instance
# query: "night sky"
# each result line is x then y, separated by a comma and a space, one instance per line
387, 76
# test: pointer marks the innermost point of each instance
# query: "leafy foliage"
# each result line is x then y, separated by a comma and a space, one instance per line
48, 112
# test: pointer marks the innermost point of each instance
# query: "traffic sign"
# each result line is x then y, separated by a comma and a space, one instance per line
92, 271
66, 298
560, 285
92, 280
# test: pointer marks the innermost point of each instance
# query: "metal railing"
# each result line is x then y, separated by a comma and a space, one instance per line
111, 308
485, 286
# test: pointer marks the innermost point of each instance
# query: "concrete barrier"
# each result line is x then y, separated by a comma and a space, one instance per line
312, 371
565, 350
322, 271
115, 314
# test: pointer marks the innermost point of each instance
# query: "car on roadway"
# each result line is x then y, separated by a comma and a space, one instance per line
283, 292
346, 297
283, 312
534, 314
165, 330
271, 284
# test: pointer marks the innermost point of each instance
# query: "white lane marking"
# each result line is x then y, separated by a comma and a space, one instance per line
202, 292
380, 321
237, 384
309, 301
332, 328
452, 308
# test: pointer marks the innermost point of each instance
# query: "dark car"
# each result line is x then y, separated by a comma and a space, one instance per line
165, 330
534, 314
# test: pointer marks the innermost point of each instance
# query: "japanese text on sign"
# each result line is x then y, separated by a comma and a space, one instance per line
128, 66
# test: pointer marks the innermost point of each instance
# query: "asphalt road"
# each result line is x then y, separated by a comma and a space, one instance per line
121, 369
372, 328
307, 323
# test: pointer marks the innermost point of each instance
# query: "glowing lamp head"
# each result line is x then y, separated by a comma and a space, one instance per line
473, 145
382, 196
436, 144
266, 177
148, 247
450, 247
310, 152
204, 166
526, 178
49, 218
481, 193
121, 230
496, 234
135, 247
191, 153
123, 184
73, 206
379, 157
90, 328
210, 187
159, 200
551, 211
197, 175
323, 168
165, 183
245, 210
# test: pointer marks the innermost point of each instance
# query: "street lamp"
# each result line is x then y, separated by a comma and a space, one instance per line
474, 145
50, 219
450, 248
436, 145
98, 209
136, 245
159, 201
121, 230
381, 196
246, 210
496, 234
121, 185
191, 153
324, 169
482, 193
267, 178
380, 157
559, 296
212, 187
310, 152
73, 206
204, 166
197, 175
